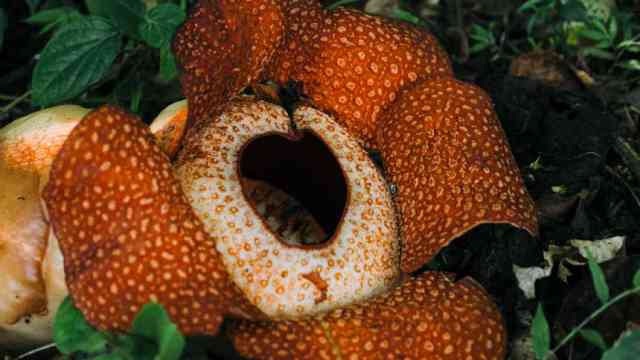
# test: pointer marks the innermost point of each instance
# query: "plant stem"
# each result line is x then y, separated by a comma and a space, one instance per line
593, 315
36, 351
15, 102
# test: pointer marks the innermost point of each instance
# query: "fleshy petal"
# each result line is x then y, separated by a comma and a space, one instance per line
127, 233
359, 63
445, 150
303, 21
223, 47
428, 317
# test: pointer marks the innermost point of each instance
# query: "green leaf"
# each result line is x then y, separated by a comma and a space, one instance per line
77, 56
111, 356
600, 25
153, 323
4, 23
630, 46
52, 18
599, 281
160, 24
631, 65
131, 346
573, 10
597, 53
627, 348
636, 278
478, 47
530, 4
594, 337
406, 16
72, 333
168, 67
49, 16
540, 334
340, 3
136, 98
613, 27
591, 34
126, 14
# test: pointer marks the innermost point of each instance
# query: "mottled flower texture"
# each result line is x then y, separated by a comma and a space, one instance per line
130, 235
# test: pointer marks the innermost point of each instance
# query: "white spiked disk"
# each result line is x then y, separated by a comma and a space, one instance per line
287, 278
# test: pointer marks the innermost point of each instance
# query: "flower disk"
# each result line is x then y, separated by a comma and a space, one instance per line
360, 260
429, 317
126, 231
444, 148
223, 47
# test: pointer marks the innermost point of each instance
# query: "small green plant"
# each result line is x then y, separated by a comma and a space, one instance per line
152, 336
115, 40
615, 39
482, 39
625, 348
537, 164
587, 29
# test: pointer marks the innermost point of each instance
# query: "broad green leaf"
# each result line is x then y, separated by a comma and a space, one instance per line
58, 17
45, 17
594, 337
599, 281
636, 280
627, 348
540, 334
77, 56
168, 67
126, 14
4, 23
160, 24
134, 347
153, 323
72, 333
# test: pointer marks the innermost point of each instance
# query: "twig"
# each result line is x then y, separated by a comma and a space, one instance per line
625, 183
629, 156
35, 351
15, 102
